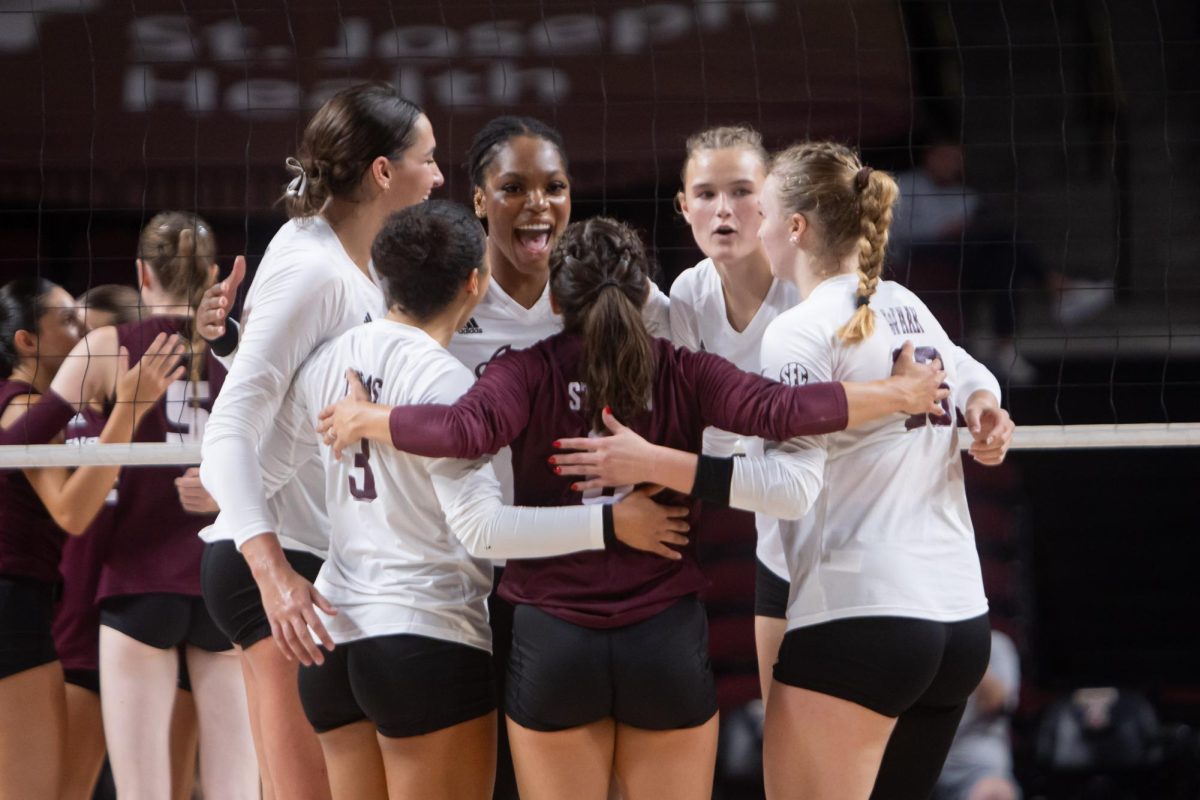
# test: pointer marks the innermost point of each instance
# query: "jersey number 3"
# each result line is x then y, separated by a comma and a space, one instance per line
362, 461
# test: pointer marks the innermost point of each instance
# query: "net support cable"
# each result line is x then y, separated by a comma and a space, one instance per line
1030, 437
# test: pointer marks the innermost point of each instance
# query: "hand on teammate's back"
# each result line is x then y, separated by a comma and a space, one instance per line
217, 301
643, 524
923, 384
338, 424
622, 459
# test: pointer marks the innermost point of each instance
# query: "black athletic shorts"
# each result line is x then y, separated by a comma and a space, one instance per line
83, 678
770, 592
407, 685
26, 612
164, 620
232, 595
654, 674
887, 664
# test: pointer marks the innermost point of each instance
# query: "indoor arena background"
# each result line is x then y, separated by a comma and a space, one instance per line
1077, 123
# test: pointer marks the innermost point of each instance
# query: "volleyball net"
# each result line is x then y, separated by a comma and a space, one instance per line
1039, 150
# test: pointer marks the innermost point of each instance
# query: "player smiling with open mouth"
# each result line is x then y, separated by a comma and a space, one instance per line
525, 196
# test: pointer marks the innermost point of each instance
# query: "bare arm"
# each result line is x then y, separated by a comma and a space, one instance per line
74, 498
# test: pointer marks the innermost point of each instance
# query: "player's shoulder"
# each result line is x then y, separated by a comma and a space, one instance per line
298, 253
694, 282
414, 367
891, 291
817, 313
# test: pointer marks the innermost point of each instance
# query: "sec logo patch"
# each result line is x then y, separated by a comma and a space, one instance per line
793, 374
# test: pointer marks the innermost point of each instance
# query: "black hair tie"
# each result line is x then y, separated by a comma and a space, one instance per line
862, 300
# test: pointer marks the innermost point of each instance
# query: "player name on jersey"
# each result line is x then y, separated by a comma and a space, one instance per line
902, 319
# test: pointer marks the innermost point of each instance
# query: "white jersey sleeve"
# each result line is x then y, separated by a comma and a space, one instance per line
290, 442
656, 314
294, 310
972, 377
470, 496
469, 493
786, 480
685, 332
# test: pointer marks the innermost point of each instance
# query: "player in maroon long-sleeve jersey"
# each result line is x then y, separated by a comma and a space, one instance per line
609, 669
38, 328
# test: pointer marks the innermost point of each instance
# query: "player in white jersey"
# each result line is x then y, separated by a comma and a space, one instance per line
366, 153
887, 626
723, 305
884, 567
407, 697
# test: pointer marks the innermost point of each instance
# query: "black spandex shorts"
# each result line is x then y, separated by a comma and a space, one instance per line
83, 678
164, 620
888, 664
407, 685
232, 595
26, 612
770, 593
654, 674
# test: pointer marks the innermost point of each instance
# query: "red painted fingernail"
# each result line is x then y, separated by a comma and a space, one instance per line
607, 410
558, 470
550, 459
557, 444
574, 487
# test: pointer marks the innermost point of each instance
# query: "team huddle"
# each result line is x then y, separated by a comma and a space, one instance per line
439, 544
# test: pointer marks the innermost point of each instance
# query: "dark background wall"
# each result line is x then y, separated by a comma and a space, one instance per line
1079, 123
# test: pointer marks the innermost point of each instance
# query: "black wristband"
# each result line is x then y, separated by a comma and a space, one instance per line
610, 529
713, 479
227, 342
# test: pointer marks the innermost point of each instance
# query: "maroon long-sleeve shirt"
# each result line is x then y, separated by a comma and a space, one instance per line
529, 398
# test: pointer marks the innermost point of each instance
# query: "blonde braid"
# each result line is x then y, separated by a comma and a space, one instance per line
852, 207
876, 201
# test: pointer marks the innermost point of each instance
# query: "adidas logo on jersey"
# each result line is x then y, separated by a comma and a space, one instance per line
471, 327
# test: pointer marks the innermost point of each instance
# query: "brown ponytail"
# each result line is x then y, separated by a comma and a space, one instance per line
850, 206
599, 275
180, 249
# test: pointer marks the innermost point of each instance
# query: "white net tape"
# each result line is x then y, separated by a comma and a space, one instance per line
1031, 437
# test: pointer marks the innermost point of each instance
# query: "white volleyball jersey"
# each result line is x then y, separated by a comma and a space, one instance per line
889, 532
306, 290
700, 321
411, 536
500, 324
